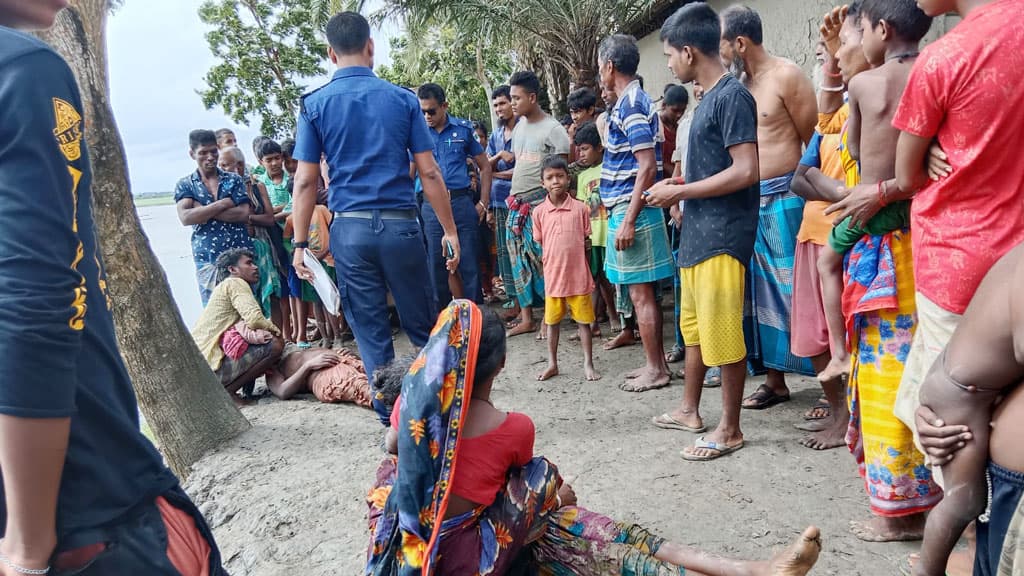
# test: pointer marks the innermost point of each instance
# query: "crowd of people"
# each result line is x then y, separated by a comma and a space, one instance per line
864, 228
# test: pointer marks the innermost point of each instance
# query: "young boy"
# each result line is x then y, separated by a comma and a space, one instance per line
591, 153
562, 227
892, 31
984, 359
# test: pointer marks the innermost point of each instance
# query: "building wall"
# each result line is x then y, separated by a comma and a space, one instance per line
790, 29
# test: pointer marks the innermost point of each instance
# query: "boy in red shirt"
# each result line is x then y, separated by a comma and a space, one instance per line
561, 225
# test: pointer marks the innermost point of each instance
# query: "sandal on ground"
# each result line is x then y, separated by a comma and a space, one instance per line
718, 450
667, 422
713, 378
674, 355
764, 397
822, 405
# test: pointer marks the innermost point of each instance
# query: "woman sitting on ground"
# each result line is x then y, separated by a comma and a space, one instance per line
239, 343
465, 494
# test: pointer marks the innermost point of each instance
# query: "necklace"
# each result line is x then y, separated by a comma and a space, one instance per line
903, 56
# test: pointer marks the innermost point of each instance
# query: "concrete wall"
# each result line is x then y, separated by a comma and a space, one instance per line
791, 31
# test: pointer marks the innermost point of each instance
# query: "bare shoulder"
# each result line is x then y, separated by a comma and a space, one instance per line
790, 76
862, 84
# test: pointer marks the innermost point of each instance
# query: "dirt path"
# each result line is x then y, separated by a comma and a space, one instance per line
288, 496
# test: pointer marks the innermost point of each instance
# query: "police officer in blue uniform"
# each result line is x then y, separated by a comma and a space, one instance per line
454, 143
366, 128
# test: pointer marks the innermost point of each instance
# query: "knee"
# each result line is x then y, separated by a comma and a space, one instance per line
276, 347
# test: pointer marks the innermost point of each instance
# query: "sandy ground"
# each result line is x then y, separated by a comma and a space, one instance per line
287, 497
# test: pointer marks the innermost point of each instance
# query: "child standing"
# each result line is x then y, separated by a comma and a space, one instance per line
562, 228
591, 153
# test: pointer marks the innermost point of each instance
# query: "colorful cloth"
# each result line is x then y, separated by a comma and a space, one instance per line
409, 536
231, 302
278, 193
588, 191
711, 309
810, 329
268, 259
525, 253
770, 295
870, 279
649, 259
344, 382
895, 476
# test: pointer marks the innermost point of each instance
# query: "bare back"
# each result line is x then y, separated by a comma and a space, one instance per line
874, 97
786, 116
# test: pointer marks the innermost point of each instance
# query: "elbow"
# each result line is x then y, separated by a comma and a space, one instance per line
431, 174
751, 175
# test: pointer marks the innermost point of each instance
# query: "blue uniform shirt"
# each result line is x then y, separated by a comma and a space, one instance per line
500, 189
452, 146
60, 356
366, 127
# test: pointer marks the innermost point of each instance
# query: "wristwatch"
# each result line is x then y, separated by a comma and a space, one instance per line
300, 244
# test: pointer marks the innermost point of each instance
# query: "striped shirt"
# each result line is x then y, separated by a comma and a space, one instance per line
633, 126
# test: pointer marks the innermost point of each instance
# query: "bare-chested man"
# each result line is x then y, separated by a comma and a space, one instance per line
331, 375
786, 116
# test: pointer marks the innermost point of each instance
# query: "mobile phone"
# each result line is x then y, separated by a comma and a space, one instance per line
449, 250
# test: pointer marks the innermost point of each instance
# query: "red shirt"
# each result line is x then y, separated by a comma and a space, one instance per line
967, 89
562, 232
484, 461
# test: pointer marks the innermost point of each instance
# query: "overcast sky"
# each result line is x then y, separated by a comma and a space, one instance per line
155, 99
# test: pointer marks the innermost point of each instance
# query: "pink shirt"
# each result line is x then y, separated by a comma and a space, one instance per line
966, 89
562, 232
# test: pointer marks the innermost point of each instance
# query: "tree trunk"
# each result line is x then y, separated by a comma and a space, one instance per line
485, 82
182, 401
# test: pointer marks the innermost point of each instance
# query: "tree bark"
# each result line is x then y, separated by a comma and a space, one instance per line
184, 404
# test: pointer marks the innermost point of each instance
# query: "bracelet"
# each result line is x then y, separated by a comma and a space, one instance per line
881, 193
303, 244
21, 570
832, 89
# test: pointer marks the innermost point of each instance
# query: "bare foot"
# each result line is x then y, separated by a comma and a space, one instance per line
838, 367
551, 372
833, 436
624, 338
815, 425
521, 328
591, 373
879, 529
799, 558
960, 563
542, 333
649, 380
634, 374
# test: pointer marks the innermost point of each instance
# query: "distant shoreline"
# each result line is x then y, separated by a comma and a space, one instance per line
158, 199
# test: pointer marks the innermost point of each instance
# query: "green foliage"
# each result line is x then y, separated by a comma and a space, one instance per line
264, 49
444, 58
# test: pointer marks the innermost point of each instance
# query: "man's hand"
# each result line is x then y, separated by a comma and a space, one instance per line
938, 163
506, 156
481, 211
940, 441
625, 236
830, 26
662, 195
451, 258
323, 360
676, 215
566, 495
490, 219
299, 263
860, 204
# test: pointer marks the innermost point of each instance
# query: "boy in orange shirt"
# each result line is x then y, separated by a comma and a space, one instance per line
561, 225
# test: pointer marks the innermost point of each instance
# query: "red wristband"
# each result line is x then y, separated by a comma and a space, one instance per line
678, 181
881, 193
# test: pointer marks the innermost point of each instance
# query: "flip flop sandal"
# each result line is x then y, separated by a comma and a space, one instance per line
675, 355
667, 422
713, 378
764, 397
719, 450
821, 404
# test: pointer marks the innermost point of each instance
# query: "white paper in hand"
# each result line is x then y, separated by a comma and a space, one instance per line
322, 283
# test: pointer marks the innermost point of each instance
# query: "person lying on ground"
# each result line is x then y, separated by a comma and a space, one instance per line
503, 507
332, 376
232, 301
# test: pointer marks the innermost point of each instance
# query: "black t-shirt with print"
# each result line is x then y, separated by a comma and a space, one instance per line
726, 117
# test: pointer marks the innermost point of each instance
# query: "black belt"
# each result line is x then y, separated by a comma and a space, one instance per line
460, 192
384, 214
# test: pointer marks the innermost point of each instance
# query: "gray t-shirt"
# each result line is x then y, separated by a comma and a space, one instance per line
532, 142
726, 117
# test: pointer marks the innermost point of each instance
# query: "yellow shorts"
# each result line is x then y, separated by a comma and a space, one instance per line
711, 309
581, 308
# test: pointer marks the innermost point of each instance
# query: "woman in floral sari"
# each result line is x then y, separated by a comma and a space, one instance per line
466, 497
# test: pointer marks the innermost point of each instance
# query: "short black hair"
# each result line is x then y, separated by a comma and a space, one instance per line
491, 352
908, 21
478, 125
222, 132
387, 379
202, 137
256, 143
228, 259
268, 147
695, 25
431, 91
581, 99
553, 162
587, 133
348, 32
502, 91
526, 80
288, 147
854, 9
565, 120
621, 50
742, 20
676, 96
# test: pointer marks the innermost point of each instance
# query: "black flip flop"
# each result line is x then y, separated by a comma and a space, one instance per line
765, 398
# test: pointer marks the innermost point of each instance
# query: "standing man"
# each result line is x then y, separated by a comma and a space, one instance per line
787, 112
641, 256
535, 137
83, 490
502, 161
454, 142
367, 128
215, 204
673, 106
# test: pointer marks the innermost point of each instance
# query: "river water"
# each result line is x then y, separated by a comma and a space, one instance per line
172, 244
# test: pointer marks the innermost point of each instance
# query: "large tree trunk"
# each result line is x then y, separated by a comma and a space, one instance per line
182, 401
